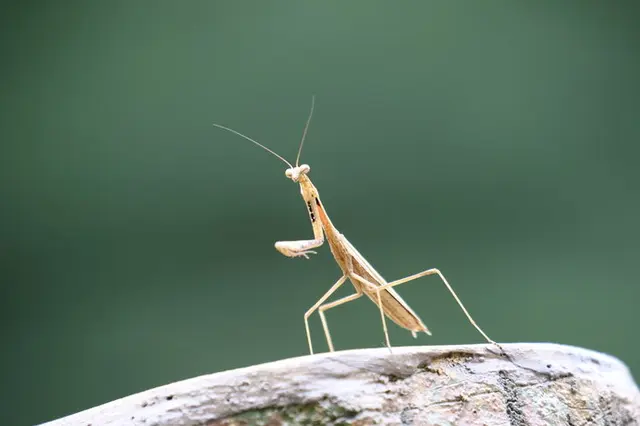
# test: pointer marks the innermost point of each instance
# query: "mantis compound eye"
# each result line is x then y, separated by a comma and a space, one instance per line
304, 169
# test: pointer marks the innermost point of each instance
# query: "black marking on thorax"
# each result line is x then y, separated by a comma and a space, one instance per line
311, 214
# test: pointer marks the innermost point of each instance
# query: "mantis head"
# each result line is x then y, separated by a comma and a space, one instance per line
294, 173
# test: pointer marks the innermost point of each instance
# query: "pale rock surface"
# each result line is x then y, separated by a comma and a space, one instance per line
537, 384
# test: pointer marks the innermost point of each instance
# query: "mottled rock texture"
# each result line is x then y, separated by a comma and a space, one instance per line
533, 384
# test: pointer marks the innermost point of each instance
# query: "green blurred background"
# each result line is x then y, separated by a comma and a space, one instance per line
498, 142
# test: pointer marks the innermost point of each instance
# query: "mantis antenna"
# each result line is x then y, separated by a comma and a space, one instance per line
255, 142
306, 127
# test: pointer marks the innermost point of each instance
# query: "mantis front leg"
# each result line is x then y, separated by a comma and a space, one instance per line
298, 248
303, 247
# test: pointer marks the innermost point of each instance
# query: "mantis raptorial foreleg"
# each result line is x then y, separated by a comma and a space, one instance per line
303, 247
298, 248
338, 302
311, 310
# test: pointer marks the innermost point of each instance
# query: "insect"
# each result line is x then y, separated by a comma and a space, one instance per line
355, 268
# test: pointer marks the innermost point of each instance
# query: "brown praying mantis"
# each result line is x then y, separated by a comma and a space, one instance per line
355, 268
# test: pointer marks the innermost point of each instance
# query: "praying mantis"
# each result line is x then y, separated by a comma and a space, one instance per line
355, 268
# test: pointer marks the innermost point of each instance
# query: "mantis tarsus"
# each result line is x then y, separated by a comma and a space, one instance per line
365, 279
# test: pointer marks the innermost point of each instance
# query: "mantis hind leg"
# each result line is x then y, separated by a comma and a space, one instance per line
434, 271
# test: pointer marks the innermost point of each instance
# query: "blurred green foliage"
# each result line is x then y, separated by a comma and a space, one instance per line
497, 141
